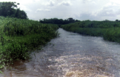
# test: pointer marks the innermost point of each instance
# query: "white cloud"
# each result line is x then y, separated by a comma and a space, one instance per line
41, 10
22, 7
66, 3
79, 9
86, 1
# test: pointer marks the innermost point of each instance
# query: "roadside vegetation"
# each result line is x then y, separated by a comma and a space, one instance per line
109, 30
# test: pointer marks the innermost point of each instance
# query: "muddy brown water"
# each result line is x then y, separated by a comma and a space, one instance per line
71, 55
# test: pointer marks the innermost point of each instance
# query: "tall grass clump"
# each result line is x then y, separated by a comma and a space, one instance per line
112, 34
19, 36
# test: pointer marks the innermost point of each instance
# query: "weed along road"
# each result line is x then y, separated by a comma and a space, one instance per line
71, 55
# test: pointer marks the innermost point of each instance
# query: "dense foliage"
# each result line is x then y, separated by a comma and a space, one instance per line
58, 21
18, 36
10, 9
109, 30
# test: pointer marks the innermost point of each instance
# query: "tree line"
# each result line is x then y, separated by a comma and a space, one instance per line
58, 21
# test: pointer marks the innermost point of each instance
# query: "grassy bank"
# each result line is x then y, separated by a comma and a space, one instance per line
109, 30
19, 36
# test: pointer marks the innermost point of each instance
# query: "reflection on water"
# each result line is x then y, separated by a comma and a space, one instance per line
71, 55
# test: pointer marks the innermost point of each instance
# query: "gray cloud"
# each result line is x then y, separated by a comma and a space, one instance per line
87, 16
78, 9
51, 3
110, 11
107, 12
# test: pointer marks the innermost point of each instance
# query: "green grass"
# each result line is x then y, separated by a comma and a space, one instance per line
18, 37
109, 30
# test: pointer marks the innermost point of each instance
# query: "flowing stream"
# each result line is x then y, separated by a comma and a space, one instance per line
71, 55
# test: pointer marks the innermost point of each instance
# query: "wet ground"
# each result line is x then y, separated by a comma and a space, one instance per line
71, 55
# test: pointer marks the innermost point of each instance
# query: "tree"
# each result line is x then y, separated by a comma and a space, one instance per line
116, 20
71, 20
20, 14
10, 9
57, 21
6, 8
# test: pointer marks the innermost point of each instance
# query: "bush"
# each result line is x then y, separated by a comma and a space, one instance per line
19, 36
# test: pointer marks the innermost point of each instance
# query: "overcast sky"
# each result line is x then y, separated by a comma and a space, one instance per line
77, 9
